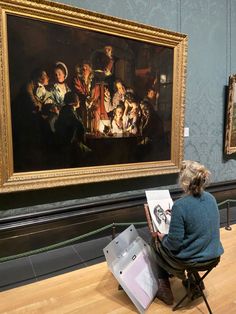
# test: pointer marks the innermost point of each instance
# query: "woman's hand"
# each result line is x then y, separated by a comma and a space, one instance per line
160, 235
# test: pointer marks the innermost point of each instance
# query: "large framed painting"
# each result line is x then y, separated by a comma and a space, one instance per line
86, 97
230, 132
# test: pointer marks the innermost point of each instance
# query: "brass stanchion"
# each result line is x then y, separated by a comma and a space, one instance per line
228, 218
113, 231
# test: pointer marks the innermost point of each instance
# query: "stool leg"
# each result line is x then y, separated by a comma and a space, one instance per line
200, 286
207, 304
195, 285
187, 295
178, 304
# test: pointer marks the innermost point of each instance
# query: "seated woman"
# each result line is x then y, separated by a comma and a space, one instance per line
194, 229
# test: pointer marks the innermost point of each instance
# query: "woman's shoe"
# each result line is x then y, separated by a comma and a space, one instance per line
164, 292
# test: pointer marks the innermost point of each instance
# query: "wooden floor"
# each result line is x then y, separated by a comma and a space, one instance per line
94, 290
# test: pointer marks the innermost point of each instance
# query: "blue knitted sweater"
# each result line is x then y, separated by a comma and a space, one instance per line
194, 229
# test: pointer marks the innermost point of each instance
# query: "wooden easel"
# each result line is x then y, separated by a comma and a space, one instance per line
149, 221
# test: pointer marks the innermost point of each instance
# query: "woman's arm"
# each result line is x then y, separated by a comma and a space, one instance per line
174, 239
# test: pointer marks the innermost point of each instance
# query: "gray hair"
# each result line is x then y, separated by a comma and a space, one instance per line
193, 177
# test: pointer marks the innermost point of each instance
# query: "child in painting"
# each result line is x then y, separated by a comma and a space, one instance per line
131, 117
117, 125
119, 96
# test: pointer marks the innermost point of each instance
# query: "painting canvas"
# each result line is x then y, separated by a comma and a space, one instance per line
87, 99
230, 134
123, 115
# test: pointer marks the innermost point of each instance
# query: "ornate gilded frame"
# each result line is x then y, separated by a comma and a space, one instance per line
230, 131
78, 18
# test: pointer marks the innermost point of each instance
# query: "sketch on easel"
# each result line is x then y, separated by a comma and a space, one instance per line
160, 205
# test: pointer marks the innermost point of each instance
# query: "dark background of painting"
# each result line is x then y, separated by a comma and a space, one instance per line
33, 44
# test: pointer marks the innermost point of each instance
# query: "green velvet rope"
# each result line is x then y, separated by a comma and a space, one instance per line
67, 242
70, 241
227, 201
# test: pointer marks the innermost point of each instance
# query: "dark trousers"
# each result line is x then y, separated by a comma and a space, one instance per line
168, 263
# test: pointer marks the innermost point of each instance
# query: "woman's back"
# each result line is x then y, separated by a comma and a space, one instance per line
194, 229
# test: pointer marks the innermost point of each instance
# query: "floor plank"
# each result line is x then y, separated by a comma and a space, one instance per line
94, 290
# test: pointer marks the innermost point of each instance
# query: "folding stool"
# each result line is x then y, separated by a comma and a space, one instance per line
195, 284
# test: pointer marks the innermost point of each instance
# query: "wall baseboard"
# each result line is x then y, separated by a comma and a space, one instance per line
66, 220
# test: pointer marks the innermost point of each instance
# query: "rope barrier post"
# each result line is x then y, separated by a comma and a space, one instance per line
113, 231
228, 218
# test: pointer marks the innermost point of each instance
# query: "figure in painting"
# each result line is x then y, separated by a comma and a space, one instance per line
109, 68
60, 88
38, 91
29, 122
104, 63
119, 96
133, 121
117, 125
151, 131
152, 97
132, 116
84, 85
70, 133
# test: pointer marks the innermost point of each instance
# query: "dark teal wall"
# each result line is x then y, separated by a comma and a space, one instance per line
211, 59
